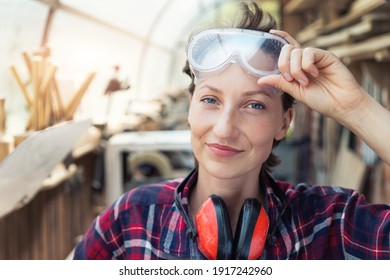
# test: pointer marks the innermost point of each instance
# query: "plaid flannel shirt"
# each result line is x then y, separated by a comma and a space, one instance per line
318, 222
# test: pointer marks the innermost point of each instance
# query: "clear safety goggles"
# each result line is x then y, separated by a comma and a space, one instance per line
211, 50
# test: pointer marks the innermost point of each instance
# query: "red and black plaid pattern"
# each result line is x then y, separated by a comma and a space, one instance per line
320, 222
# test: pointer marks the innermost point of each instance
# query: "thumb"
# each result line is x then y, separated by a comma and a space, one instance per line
276, 81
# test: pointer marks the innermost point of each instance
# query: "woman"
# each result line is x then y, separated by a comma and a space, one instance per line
229, 207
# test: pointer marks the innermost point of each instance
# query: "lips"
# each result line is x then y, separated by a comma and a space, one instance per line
223, 150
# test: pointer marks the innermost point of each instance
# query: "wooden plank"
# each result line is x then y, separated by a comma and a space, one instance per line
11, 237
33, 217
377, 80
386, 183
61, 224
5, 148
370, 46
348, 163
50, 223
3, 239
298, 6
369, 26
43, 228
379, 191
376, 189
356, 13
46, 227
311, 31
23, 237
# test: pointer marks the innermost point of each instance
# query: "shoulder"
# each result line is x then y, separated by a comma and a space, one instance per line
319, 197
153, 194
137, 202
338, 220
330, 199
306, 191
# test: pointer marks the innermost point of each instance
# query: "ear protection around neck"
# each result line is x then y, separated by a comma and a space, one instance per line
215, 237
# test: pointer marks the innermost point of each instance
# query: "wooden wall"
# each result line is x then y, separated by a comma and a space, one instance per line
46, 228
358, 32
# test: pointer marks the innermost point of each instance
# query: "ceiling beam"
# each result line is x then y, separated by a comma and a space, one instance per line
57, 5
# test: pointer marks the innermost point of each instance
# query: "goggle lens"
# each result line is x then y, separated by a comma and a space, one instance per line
258, 52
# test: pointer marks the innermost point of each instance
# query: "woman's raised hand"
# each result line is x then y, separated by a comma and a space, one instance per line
316, 78
320, 80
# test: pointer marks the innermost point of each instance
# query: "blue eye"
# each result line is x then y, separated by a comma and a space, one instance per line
209, 100
256, 106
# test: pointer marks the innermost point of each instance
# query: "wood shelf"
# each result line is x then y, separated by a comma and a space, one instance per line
358, 32
363, 14
297, 6
370, 25
357, 11
376, 48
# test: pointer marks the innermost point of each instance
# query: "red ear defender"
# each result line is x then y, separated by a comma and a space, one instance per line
251, 231
215, 238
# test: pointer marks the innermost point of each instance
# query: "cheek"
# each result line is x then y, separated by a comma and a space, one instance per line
262, 134
194, 117
267, 124
261, 142
198, 122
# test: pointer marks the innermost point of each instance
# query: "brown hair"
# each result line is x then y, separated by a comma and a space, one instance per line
254, 18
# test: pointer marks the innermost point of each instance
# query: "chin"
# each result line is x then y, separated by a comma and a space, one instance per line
223, 171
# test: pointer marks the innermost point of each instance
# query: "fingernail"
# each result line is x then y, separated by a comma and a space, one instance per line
287, 76
302, 82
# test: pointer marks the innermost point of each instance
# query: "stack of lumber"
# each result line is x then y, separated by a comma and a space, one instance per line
353, 30
41, 92
358, 32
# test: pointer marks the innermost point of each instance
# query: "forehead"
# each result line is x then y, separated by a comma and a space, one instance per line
234, 79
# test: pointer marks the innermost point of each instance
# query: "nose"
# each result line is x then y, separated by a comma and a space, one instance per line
226, 124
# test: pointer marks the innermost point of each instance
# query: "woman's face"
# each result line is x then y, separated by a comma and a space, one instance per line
234, 123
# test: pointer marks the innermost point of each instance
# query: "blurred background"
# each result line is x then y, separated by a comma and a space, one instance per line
119, 63
140, 42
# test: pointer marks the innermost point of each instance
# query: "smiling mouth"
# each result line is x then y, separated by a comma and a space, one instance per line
222, 150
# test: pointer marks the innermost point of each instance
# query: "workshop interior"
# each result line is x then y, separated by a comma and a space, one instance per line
94, 102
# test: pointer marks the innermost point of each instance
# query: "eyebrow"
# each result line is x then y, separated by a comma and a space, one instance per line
247, 93
255, 92
211, 88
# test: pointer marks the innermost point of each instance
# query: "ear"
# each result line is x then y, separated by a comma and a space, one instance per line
287, 119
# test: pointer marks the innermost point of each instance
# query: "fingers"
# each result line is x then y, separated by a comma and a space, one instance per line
286, 36
302, 64
276, 81
309, 59
296, 69
296, 63
293, 64
284, 62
